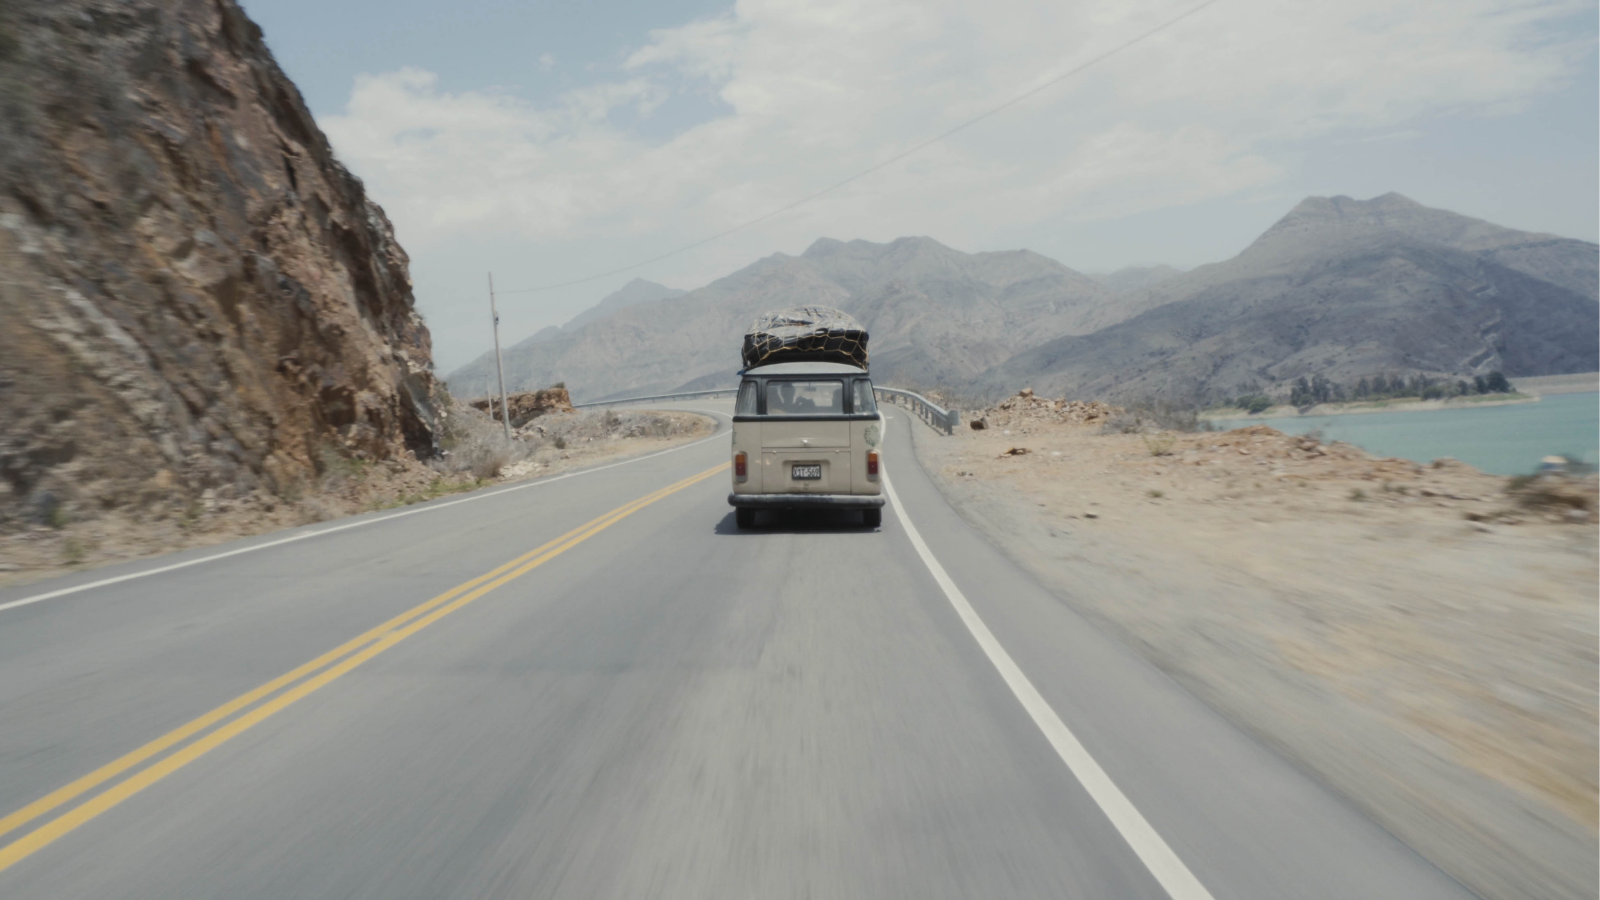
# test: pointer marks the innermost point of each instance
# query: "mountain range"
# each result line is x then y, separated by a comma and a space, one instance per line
935, 314
1346, 289
1134, 278
480, 372
1339, 287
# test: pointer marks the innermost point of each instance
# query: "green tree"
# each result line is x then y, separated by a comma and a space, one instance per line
1300, 393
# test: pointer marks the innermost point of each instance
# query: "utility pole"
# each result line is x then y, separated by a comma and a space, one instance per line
505, 406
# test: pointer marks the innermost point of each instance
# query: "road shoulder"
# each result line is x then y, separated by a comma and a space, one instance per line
1370, 642
42, 552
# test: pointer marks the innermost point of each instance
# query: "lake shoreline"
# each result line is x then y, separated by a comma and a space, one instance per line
1499, 437
1529, 390
1360, 408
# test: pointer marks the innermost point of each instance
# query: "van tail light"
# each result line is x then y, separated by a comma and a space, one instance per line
741, 470
872, 463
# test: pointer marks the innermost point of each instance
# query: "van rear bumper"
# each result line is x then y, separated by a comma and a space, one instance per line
806, 501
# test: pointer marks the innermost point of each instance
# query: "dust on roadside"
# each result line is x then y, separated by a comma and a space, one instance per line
1420, 636
476, 455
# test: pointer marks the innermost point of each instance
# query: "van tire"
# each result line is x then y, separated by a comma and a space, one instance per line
744, 517
872, 518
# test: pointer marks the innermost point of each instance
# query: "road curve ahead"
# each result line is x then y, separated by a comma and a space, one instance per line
595, 686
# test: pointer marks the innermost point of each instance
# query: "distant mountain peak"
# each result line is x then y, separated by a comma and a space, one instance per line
1341, 206
1342, 288
1395, 199
633, 293
822, 248
1323, 224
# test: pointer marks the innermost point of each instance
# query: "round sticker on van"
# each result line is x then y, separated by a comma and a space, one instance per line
871, 435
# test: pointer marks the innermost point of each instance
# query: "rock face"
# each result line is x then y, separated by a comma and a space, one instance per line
195, 296
527, 406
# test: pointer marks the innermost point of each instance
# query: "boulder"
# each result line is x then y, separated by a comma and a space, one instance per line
528, 405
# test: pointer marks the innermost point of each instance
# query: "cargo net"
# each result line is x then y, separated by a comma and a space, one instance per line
805, 334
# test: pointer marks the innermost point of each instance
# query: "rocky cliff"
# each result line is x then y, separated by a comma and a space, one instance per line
527, 406
196, 298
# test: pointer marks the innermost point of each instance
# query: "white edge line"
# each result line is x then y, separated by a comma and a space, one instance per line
51, 595
1174, 877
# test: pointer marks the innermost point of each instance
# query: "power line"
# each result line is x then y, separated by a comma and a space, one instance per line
888, 162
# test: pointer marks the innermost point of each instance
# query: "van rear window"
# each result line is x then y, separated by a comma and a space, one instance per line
805, 398
746, 404
862, 399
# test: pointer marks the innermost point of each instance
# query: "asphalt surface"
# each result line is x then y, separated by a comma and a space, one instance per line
667, 707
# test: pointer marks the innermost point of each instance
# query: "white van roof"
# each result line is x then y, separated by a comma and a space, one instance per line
806, 368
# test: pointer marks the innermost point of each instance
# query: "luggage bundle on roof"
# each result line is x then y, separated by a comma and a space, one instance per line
805, 334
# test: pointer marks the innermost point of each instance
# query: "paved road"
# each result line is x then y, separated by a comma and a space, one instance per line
655, 705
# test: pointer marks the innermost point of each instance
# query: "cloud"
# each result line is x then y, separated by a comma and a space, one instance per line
809, 93
1410, 134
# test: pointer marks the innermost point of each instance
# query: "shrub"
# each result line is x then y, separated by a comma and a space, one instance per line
317, 509
489, 463
1123, 423
1156, 416
1159, 446
1257, 404
1549, 493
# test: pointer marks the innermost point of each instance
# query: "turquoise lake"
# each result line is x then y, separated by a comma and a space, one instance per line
1504, 440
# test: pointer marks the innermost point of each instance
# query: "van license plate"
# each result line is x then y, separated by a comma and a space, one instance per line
806, 473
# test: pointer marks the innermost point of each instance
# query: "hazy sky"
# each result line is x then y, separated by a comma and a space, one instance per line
552, 141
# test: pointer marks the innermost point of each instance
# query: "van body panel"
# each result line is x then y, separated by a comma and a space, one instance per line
819, 432
777, 471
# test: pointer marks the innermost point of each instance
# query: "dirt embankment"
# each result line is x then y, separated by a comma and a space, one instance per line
1421, 637
475, 455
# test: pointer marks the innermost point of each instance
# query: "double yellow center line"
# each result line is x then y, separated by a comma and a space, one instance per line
328, 667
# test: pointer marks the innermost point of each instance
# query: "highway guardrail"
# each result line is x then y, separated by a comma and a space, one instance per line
938, 417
